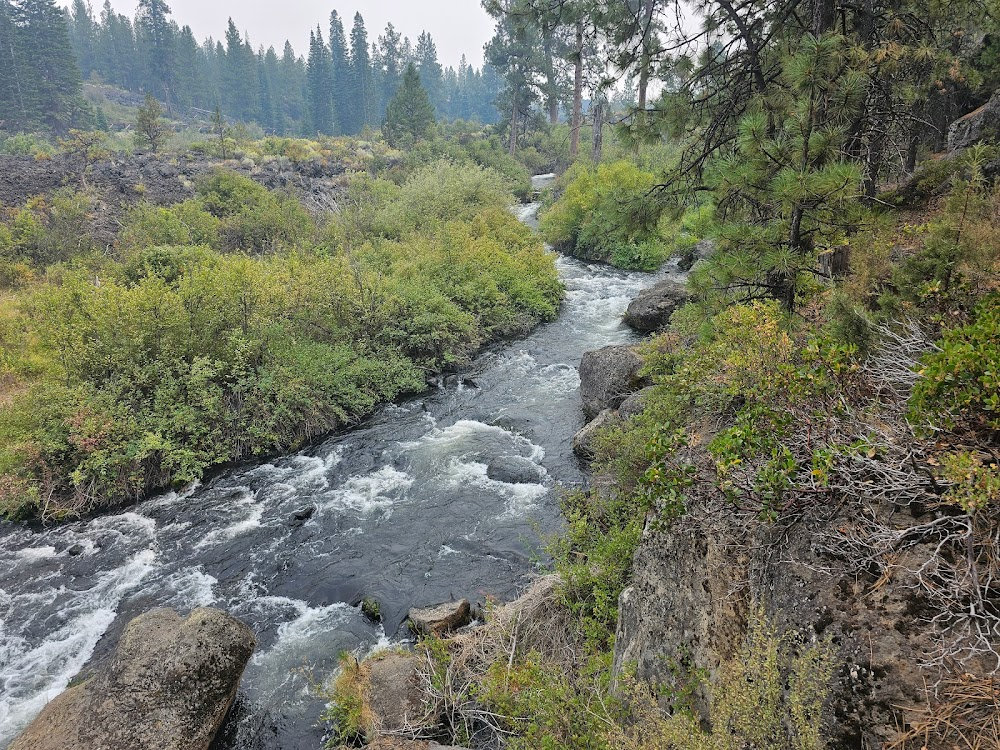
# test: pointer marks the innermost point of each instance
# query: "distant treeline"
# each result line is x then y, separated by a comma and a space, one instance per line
341, 86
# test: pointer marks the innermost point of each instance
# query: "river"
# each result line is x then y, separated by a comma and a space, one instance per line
403, 511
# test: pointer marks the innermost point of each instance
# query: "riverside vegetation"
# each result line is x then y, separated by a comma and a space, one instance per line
792, 545
821, 430
236, 324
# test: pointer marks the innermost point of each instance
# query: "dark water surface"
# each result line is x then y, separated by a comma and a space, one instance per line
404, 513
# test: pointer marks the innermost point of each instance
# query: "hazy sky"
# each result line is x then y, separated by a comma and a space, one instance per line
458, 26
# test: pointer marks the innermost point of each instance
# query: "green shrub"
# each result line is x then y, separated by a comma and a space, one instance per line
605, 214
960, 383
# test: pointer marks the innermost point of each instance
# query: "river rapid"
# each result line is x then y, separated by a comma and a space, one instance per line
402, 510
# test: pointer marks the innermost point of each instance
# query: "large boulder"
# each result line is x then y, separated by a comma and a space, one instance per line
441, 618
608, 376
583, 442
980, 125
514, 470
167, 686
652, 309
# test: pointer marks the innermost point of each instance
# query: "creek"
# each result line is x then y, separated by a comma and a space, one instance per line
400, 509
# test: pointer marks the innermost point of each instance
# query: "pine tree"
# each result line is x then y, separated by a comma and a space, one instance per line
292, 76
389, 64
410, 114
155, 35
319, 82
362, 112
150, 128
12, 83
47, 73
84, 36
429, 68
341, 73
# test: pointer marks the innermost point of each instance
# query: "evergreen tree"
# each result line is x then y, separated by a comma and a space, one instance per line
429, 68
319, 86
389, 64
189, 85
239, 76
362, 112
45, 69
83, 33
13, 86
155, 36
292, 76
410, 114
150, 128
341, 71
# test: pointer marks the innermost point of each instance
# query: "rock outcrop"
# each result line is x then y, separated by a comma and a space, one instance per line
441, 618
608, 376
167, 686
514, 470
635, 404
980, 125
394, 695
583, 442
692, 593
651, 310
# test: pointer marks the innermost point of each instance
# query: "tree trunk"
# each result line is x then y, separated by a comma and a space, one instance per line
574, 141
823, 16
598, 130
513, 126
645, 57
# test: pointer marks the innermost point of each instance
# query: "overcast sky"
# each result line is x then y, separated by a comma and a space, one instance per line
458, 26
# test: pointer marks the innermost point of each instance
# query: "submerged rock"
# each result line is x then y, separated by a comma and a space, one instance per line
652, 309
441, 618
514, 470
607, 377
167, 686
583, 442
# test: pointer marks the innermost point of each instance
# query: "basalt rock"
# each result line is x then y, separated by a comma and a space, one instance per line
980, 125
694, 587
608, 376
441, 618
514, 470
635, 404
167, 686
583, 442
651, 310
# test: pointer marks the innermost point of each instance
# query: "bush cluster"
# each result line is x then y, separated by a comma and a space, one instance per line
231, 326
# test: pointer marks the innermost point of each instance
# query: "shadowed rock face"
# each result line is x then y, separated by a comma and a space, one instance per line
975, 127
167, 686
607, 377
652, 309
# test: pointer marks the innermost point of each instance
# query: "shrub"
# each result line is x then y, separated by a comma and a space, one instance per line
605, 214
960, 383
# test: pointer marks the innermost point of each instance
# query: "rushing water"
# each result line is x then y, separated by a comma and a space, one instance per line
403, 512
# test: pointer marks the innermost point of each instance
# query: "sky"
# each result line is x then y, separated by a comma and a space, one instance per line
458, 26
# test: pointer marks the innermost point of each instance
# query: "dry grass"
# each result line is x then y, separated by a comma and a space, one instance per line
966, 716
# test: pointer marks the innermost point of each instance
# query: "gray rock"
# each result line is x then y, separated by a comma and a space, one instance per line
607, 377
635, 404
583, 442
652, 309
167, 686
980, 125
441, 618
681, 608
514, 470
395, 694
704, 250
